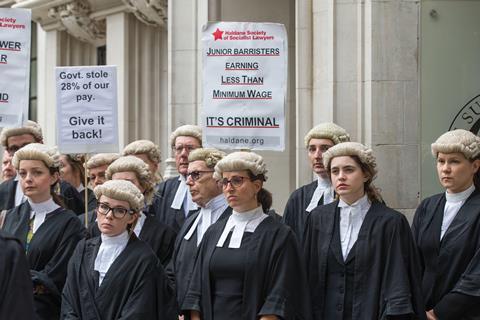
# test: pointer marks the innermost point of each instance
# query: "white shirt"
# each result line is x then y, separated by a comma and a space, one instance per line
325, 189
139, 224
351, 220
207, 216
182, 196
454, 202
80, 188
40, 210
109, 250
19, 196
241, 222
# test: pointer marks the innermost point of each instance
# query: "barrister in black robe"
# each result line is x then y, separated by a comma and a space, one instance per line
48, 232
249, 266
446, 228
16, 299
303, 200
382, 283
169, 207
361, 263
129, 290
116, 276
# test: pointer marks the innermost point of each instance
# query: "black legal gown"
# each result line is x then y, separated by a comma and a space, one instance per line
91, 200
134, 286
295, 214
184, 256
385, 282
274, 281
160, 237
48, 253
451, 266
16, 299
161, 205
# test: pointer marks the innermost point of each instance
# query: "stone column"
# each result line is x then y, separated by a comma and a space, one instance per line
48, 57
118, 55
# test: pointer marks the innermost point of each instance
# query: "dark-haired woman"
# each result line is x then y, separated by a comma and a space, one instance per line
361, 260
72, 171
48, 232
446, 228
249, 266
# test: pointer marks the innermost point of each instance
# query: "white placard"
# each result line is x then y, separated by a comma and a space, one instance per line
245, 85
15, 29
87, 109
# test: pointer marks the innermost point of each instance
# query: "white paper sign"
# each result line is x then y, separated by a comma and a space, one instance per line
245, 85
87, 109
15, 31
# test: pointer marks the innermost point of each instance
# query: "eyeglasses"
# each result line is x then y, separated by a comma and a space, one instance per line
118, 212
12, 149
178, 149
323, 148
235, 181
195, 175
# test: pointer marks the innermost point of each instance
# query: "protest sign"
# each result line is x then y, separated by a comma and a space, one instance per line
15, 28
245, 85
87, 109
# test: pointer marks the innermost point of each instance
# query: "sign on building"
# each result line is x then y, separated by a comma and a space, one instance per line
244, 85
15, 29
87, 109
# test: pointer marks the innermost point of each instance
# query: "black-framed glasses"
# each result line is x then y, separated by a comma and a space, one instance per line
178, 149
323, 148
195, 175
118, 212
235, 181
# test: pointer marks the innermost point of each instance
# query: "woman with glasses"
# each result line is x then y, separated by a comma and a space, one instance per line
115, 276
361, 260
446, 228
48, 232
249, 266
159, 236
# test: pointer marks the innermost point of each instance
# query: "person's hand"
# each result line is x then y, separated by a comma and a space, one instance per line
195, 315
181, 317
431, 315
269, 317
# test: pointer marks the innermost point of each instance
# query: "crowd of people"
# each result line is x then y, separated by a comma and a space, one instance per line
206, 244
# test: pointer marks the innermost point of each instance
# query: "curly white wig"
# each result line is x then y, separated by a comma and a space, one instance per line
459, 140
327, 130
30, 127
139, 167
121, 190
239, 161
